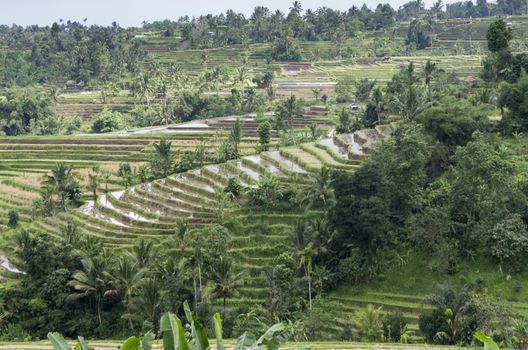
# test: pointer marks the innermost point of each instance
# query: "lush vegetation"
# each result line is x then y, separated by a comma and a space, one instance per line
388, 206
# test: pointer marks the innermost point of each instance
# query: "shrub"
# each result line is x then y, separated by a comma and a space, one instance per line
394, 325
13, 218
14, 332
233, 187
108, 121
509, 241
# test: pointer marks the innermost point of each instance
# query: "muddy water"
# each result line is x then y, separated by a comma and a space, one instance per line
288, 163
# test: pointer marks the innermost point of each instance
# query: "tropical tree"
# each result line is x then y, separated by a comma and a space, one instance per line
162, 160
62, 181
429, 72
181, 234
369, 323
320, 191
286, 111
147, 301
94, 180
226, 281
93, 281
124, 281
105, 178
411, 102
143, 253
264, 133
235, 136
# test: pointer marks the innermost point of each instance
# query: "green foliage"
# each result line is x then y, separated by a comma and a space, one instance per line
233, 187
12, 218
268, 192
162, 159
363, 88
395, 327
286, 111
108, 121
264, 133
419, 35
369, 324
26, 113
509, 241
458, 314
499, 35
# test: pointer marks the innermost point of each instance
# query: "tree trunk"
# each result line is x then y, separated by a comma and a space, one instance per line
98, 307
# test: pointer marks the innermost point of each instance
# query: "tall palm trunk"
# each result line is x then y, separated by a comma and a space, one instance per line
309, 278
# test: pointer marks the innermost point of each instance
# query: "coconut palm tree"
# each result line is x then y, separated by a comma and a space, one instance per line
306, 261
124, 281
162, 162
181, 234
92, 281
320, 191
369, 323
63, 182
148, 299
226, 281
143, 253
429, 72
105, 178
411, 102
94, 180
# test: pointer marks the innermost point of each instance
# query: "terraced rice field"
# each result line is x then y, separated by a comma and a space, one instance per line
150, 210
24, 160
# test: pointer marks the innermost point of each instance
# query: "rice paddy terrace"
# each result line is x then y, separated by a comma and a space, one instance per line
24, 160
150, 210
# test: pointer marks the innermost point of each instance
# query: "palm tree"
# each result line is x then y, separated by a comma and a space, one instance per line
410, 103
376, 99
226, 281
235, 136
320, 190
296, 7
94, 180
306, 260
143, 253
301, 237
369, 323
205, 59
429, 72
125, 280
286, 111
148, 301
162, 162
62, 181
181, 233
91, 282
105, 178
145, 87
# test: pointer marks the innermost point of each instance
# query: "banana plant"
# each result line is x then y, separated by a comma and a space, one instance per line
59, 343
176, 338
270, 340
489, 344
133, 343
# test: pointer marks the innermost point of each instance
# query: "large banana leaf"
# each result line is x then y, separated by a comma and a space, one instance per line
272, 338
146, 342
246, 341
131, 343
489, 344
58, 342
172, 332
82, 344
199, 335
217, 321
